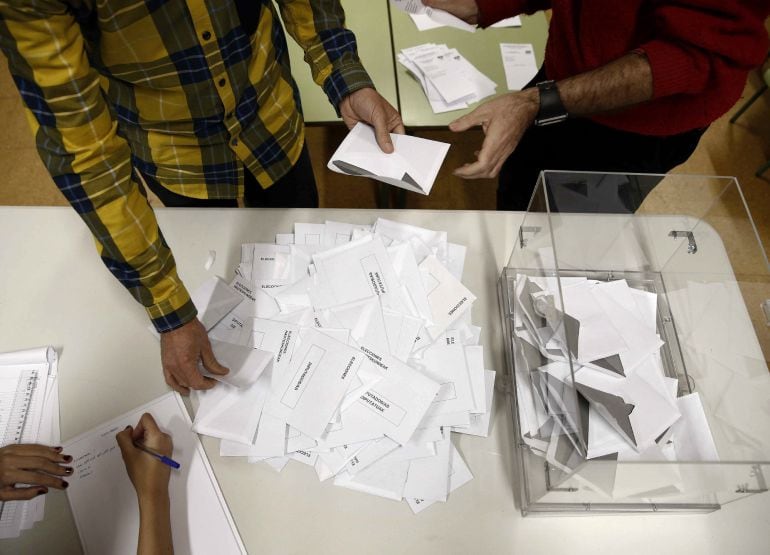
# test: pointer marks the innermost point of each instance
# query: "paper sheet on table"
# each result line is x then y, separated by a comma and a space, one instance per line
413, 165
104, 503
519, 64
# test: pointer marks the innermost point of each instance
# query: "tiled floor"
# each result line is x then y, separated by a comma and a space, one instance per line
726, 149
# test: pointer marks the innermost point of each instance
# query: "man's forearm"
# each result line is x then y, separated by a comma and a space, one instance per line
625, 82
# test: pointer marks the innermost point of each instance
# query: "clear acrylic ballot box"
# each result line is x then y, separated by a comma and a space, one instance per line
635, 311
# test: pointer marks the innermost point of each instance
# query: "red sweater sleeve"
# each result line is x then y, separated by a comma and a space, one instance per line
492, 11
699, 40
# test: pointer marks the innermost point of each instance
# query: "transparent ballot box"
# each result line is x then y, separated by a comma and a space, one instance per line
635, 311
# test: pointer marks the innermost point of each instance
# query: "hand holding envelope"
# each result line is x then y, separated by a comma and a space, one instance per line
413, 165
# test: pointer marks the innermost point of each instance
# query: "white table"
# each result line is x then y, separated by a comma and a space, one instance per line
54, 290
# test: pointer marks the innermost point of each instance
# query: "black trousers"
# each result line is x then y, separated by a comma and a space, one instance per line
296, 189
582, 145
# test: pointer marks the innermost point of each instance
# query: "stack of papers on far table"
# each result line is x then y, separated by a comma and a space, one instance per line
29, 413
373, 360
413, 165
449, 80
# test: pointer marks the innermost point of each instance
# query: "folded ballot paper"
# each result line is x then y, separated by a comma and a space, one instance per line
449, 80
413, 165
373, 362
634, 410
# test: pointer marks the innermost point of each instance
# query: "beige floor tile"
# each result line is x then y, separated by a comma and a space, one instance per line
15, 131
7, 87
26, 182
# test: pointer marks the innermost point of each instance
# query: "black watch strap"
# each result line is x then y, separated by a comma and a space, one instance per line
551, 108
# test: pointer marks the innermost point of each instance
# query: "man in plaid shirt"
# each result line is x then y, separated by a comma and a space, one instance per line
196, 99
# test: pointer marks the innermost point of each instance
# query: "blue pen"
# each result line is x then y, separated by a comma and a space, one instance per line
162, 458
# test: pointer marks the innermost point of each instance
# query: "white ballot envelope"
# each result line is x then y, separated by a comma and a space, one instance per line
245, 364
413, 165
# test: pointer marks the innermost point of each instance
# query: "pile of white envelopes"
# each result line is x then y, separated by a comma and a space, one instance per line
616, 393
350, 349
449, 80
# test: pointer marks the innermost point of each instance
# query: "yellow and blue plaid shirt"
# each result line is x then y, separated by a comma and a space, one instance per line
187, 92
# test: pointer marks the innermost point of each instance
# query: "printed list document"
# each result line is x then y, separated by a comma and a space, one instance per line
104, 503
29, 413
519, 64
413, 165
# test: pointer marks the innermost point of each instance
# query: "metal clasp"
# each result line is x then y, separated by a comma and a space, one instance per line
692, 246
534, 230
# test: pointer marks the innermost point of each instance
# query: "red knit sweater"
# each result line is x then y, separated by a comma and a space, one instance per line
700, 51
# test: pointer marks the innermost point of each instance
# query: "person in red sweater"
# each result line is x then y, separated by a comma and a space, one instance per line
626, 86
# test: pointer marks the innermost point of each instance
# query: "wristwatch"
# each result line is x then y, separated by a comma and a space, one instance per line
551, 108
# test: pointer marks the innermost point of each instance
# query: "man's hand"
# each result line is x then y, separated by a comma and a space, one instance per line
180, 351
467, 10
366, 105
37, 465
504, 120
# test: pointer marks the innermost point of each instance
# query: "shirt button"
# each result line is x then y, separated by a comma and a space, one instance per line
206, 35
222, 82
234, 142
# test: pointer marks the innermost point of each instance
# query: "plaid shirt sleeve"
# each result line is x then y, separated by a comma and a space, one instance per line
89, 162
318, 26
